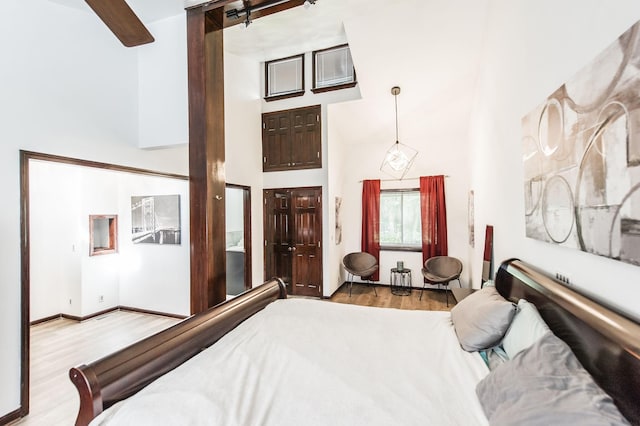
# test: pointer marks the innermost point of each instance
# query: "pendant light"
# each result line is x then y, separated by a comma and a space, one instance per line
399, 158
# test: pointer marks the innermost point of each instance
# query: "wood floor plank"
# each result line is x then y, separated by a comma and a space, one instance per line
362, 294
60, 344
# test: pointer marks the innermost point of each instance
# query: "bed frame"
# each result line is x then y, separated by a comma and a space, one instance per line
119, 375
605, 342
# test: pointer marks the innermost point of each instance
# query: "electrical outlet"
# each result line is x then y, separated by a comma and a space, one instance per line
100, 299
563, 278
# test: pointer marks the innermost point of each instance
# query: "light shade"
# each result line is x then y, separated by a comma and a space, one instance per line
398, 160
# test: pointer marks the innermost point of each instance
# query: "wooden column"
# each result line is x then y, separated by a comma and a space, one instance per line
206, 157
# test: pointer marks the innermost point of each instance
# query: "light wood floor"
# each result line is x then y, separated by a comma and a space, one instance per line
58, 345
61, 344
363, 294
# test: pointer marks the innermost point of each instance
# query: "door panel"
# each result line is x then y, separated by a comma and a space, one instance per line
293, 233
305, 143
278, 251
307, 234
276, 144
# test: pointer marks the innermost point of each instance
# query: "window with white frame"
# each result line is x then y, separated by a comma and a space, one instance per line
333, 69
400, 225
284, 77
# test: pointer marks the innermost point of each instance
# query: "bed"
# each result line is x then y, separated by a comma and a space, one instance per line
261, 358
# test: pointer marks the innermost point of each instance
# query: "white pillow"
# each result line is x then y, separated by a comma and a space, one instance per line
526, 329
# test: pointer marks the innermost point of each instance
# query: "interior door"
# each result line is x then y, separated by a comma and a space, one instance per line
278, 248
306, 210
293, 235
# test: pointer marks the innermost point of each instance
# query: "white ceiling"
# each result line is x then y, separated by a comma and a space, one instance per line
147, 10
430, 48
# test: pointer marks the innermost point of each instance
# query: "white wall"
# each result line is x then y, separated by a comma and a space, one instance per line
68, 88
243, 143
530, 50
335, 176
152, 276
439, 153
162, 67
65, 279
54, 249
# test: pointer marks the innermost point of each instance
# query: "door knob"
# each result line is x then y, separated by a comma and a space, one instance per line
289, 248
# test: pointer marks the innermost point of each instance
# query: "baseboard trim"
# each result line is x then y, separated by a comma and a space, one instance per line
106, 311
13, 415
86, 317
46, 319
146, 311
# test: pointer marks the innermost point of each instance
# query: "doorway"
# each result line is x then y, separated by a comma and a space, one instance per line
238, 238
27, 247
293, 238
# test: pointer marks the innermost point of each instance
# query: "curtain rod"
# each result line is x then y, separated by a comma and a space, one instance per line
397, 180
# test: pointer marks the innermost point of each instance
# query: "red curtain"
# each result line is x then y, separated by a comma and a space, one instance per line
371, 220
433, 210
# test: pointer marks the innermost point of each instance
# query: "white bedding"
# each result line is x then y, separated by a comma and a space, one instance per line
310, 362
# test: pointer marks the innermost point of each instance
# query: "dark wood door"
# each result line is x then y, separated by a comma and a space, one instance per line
305, 138
278, 247
293, 235
276, 140
292, 139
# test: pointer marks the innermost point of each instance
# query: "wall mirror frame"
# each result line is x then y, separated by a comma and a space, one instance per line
103, 234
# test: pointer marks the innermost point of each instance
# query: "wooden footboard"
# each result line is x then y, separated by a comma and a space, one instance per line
108, 380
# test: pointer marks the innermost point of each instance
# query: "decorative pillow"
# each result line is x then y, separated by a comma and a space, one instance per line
525, 329
545, 385
481, 319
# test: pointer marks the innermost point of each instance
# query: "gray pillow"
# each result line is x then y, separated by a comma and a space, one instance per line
545, 385
481, 319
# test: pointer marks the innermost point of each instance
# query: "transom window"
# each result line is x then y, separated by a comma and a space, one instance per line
400, 225
333, 69
284, 77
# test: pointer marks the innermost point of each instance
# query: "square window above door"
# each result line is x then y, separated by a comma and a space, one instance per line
284, 78
333, 69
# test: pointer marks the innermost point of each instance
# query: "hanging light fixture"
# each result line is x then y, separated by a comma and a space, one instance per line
248, 9
399, 158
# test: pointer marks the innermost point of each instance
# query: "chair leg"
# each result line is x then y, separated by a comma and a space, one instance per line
374, 287
350, 283
422, 291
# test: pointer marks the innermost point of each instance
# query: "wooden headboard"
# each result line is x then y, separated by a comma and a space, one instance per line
606, 342
115, 377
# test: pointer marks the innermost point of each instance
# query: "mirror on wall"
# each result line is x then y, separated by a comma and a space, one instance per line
103, 234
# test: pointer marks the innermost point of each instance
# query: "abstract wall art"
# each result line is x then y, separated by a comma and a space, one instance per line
581, 157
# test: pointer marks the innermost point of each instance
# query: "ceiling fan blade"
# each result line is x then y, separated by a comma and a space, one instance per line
122, 21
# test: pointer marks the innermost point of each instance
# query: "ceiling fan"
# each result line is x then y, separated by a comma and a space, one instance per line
122, 21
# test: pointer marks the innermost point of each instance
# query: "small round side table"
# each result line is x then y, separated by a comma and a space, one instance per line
400, 281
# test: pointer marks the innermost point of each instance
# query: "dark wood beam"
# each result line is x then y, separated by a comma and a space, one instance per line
206, 157
122, 21
240, 4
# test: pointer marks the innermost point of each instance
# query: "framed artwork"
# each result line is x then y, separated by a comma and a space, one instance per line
338, 220
581, 157
155, 219
470, 221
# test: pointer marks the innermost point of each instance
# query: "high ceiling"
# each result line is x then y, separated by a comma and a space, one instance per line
430, 48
